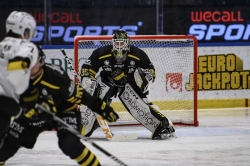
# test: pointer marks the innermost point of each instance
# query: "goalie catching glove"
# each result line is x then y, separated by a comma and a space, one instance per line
143, 78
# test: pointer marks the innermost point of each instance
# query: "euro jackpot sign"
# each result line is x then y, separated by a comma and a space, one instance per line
220, 72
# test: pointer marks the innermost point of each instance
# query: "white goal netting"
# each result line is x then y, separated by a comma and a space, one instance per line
175, 59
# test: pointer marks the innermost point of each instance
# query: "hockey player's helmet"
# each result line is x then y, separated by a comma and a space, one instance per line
21, 23
121, 45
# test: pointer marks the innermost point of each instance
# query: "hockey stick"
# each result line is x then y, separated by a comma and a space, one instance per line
78, 134
103, 124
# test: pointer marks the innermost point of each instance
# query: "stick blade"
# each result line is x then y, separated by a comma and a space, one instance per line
124, 137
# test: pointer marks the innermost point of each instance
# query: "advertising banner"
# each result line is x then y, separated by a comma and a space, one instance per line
208, 24
213, 24
67, 23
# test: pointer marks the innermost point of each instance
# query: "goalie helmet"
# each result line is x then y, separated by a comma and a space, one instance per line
21, 23
121, 46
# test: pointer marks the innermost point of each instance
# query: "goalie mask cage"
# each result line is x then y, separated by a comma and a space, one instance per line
175, 60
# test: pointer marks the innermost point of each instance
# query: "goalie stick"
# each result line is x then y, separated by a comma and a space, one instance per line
103, 124
78, 134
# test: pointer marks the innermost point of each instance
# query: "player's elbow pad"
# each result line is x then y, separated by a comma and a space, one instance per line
29, 98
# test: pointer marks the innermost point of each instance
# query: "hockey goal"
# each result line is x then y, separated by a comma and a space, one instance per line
175, 59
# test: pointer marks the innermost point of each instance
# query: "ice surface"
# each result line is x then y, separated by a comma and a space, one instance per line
222, 139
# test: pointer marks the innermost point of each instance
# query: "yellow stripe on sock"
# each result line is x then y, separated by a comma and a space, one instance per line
84, 153
90, 158
96, 163
86, 158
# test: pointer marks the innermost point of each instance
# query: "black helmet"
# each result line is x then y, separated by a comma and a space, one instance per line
121, 45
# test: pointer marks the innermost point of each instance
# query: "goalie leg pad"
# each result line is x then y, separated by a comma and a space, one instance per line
106, 89
88, 121
138, 108
165, 128
147, 114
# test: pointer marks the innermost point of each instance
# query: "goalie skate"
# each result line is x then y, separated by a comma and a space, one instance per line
163, 131
165, 134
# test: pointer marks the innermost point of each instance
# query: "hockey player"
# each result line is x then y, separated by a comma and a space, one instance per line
54, 83
17, 57
126, 70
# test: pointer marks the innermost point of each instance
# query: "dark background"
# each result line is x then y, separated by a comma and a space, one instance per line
115, 14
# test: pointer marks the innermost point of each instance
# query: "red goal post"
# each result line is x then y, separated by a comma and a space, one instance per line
175, 59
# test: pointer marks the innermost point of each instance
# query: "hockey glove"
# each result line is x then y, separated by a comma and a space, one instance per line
47, 103
143, 78
106, 111
29, 98
38, 115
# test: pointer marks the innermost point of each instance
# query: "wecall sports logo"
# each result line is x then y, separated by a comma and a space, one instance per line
227, 24
74, 27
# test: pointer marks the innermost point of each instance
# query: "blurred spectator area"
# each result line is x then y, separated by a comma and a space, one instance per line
118, 3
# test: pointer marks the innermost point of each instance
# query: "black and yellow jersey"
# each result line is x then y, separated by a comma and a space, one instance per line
104, 59
55, 83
